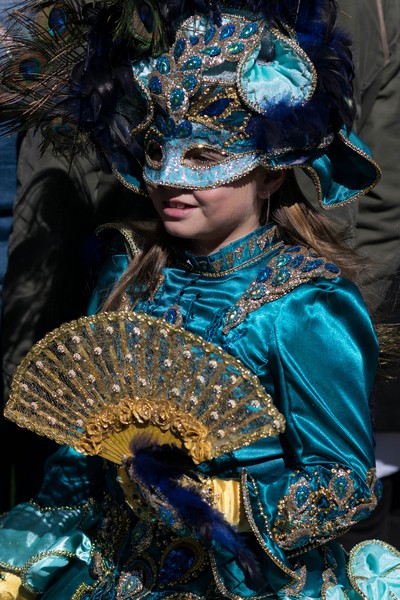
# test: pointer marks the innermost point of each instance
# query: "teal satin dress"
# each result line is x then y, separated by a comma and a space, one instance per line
290, 317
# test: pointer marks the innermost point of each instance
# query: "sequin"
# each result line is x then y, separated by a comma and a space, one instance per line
179, 48
227, 31
155, 85
293, 249
235, 48
281, 277
176, 98
212, 51
57, 22
192, 64
189, 82
248, 30
163, 65
311, 265
209, 34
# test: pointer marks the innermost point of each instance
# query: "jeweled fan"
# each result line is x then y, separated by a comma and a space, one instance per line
96, 383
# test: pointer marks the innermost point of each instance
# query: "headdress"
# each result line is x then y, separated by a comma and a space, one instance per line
148, 83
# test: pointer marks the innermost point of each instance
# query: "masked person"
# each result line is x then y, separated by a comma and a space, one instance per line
224, 381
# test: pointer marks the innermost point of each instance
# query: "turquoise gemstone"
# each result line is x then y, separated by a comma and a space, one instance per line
264, 274
281, 277
249, 30
179, 48
184, 129
236, 48
189, 82
192, 64
341, 486
256, 292
227, 31
163, 65
283, 260
155, 85
296, 262
302, 495
209, 34
176, 98
212, 51
170, 315
332, 268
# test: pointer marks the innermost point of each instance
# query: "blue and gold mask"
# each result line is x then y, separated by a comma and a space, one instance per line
156, 86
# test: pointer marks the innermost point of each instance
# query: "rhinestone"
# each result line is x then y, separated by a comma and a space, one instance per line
264, 274
283, 260
184, 129
281, 277
212, 51
194, 39
311, 265
227, 31
256, 292
163, 65
235, 48
332, 268
192, 64
179, 48
209, 34
155, 85
296, 262
189, 82
248, 30
176, 98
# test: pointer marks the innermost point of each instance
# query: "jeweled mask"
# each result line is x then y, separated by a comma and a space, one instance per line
204, 92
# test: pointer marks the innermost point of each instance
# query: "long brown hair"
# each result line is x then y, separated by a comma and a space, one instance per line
298, 223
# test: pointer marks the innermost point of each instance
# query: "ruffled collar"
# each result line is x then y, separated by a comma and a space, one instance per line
237, 254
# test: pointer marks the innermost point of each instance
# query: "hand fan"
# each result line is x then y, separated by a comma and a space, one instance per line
97, 382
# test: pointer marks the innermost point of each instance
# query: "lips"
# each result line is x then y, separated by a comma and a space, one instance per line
176, 204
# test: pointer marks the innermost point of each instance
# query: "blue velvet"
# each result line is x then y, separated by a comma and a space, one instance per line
315, 351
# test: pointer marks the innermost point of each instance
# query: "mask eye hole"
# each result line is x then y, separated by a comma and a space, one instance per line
203, 157
154, 154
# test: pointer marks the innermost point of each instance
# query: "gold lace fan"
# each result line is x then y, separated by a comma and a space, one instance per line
96, 383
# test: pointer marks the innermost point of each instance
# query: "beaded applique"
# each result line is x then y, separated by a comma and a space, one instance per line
314, 513
292, 266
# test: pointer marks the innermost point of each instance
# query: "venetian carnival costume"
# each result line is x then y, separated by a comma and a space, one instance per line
229, 409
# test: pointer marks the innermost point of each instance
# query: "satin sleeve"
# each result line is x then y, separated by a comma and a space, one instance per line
323, 356
49, 535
